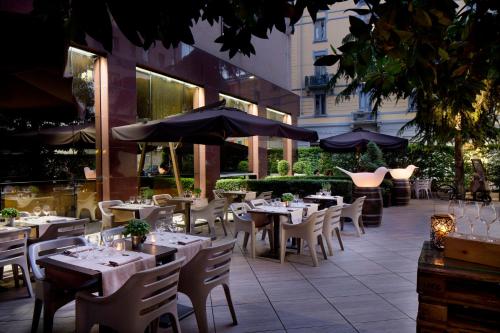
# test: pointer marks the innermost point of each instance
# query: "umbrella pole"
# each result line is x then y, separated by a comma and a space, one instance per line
173, 157
141, 161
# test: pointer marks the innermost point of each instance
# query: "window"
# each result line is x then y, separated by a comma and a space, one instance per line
320, 104
320, 30
412, 104
319, 70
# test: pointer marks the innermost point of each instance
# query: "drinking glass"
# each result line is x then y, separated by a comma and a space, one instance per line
118, 244
488, 215
37, 211
160, 226
138, 199
471, 210
46, 210
94, 241
131, 199
108, 239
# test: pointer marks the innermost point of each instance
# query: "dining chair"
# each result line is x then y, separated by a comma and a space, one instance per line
250, 195
207, 270
163, 214
13, 252
331, 224
137, 305
310, 230
47, 296
208, 215
266, 195
163, 200
255, 203
354, 212
423, 185
218, 194
249, 224
108, 218
86, 200
61, 229
112, 233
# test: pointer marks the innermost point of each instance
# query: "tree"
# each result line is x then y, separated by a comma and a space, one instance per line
444, 57
170, 22
372, 158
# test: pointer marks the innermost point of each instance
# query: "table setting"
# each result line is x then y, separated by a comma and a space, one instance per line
187, 245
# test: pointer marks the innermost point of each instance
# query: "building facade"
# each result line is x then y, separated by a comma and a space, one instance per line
318, 108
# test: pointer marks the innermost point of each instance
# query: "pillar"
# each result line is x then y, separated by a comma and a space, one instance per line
288, 147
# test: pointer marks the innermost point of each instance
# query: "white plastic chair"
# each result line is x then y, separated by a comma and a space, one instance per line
160, 214
331, 224
208, 215
86, 200
249, 224
137, 305
108, 217
266, 195
164, 200
423, 185
310, 230
13, 252
250, 195
354, 212
207, 270
258, 202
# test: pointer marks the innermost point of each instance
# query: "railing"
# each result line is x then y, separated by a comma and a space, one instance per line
361, 117
313, 82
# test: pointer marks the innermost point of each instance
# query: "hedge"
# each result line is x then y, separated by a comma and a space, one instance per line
303, 187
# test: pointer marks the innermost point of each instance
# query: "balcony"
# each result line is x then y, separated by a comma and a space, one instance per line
364, 118
317, 82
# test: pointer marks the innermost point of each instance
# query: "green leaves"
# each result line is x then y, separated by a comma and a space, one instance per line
328, 60
358, 27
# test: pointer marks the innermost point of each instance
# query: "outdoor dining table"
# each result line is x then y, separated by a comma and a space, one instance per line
187, 209
324, 200
294, 215
127, 211
40, 224
70, 273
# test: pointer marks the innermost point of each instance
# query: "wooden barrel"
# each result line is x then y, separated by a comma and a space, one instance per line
373, 206
401, 192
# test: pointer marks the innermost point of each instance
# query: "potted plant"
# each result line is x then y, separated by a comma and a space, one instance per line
287, 198
9, 214
197, 192
137, 229
147, 193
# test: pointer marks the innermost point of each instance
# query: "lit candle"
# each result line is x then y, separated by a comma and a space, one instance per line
152, 238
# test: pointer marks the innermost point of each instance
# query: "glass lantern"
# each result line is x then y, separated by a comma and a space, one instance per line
441, 226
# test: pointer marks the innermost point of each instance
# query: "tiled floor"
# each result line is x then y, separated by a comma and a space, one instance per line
369, 287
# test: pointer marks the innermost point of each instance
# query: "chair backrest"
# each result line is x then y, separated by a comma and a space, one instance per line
85, 197
12, 245
44, 249
258, 202
319, 218
218, 206
332, 217
148, 293
209, 268
89, 173
161, 199
239, 208
104, 206
358, 204
266, 195
250, 195
161, 214
218, 194
64, 229
116, 232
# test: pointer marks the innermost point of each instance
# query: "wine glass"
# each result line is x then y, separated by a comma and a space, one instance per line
108, 238
37, 211
131, 199
118, 244
94, 243
488, 215
471, 210
46, 210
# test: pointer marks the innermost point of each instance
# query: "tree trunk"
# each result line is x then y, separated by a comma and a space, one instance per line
459, 167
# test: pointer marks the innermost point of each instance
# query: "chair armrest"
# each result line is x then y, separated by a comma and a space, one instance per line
87, 297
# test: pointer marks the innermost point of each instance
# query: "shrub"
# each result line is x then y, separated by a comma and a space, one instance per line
283, 167
299, 167
372, 158
243, 166
230, 184
9, 212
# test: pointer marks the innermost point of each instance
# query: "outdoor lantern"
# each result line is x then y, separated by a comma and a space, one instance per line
403, 173
366, 179
441, 226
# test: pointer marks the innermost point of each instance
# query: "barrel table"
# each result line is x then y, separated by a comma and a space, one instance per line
373, 206
401, 192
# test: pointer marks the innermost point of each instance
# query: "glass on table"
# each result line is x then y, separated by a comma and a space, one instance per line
46, 210
131, 200
118, 244
471, 211
488, 215
37, 210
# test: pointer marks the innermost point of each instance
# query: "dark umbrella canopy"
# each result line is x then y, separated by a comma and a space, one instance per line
359, 138
63, 137
211, 124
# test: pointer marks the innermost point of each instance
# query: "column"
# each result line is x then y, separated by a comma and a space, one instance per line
288, 147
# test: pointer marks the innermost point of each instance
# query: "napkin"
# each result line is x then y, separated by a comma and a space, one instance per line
123, 260
187, 241
73, 252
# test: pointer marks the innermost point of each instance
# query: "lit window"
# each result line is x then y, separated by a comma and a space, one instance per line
320, 30
364, 101
320, 104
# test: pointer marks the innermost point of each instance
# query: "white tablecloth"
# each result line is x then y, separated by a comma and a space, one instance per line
308, 207
338, 198
43, 222
295, 213
170, 239
113, 278
144, 210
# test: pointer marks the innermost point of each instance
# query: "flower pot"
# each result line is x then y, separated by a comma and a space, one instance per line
137, 242
10, 221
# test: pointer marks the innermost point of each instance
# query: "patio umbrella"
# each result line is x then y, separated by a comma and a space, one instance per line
209, 125
63, 137
359, 138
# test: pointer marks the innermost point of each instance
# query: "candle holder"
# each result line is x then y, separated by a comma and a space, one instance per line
441, 226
